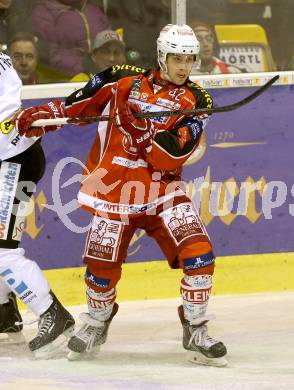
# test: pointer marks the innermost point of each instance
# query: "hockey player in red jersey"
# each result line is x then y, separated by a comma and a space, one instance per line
133, 181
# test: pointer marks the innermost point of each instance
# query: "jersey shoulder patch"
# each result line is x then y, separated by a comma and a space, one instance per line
203, 98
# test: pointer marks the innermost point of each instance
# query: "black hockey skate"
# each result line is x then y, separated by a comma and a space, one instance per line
54, 323
9, 318
87, 341
202, 349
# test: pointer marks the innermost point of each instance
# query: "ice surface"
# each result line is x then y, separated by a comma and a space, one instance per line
144, 350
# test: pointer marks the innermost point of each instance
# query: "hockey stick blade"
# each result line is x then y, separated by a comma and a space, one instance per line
197, 111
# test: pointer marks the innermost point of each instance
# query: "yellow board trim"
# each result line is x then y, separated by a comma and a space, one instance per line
155, 280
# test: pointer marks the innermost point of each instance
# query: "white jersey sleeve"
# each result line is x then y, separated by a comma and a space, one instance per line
11, 143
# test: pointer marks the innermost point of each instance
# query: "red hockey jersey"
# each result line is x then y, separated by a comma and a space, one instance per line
121, 180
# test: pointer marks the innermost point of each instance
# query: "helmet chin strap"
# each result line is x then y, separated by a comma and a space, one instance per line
164, 70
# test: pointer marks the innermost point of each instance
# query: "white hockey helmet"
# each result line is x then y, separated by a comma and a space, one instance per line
176, 39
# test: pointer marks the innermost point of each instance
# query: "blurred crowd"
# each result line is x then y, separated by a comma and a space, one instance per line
70, 40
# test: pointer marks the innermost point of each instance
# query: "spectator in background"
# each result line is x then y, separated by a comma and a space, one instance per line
66, 29
14, 17
209, 63
22, 49
108, 50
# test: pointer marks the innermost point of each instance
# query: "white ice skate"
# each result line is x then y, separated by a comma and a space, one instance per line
85, 344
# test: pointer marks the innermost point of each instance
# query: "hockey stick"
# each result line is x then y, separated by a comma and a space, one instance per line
197, 111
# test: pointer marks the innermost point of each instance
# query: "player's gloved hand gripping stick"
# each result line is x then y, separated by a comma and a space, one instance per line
26, 121
138, 130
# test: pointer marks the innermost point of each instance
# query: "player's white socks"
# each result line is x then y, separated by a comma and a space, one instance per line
25, 278
100, 304
195, 292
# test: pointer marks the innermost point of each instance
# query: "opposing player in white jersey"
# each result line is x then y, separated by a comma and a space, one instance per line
22, 165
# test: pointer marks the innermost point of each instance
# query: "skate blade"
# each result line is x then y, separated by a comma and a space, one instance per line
72, 355
12, 338
198, 358
52, 349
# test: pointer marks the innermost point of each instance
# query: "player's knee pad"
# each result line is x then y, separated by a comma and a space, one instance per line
197, 259
102, 279
195, 291
25, 278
